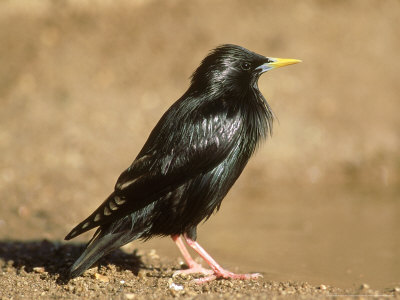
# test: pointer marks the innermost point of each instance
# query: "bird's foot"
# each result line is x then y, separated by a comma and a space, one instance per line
194, 268
225, 274
210, 275
216, 272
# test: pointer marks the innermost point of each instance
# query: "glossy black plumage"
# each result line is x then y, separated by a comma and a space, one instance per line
191, 159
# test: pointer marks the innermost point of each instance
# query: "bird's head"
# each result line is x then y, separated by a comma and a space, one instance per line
230, 67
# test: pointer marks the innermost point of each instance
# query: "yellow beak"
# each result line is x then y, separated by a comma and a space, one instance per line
276, 63
281, 62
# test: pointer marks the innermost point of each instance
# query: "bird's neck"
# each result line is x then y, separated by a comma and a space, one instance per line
246, 102
257, 115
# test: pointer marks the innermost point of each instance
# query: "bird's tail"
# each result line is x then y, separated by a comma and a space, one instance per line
101, 244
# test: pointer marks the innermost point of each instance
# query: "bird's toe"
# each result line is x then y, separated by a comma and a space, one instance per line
194, 269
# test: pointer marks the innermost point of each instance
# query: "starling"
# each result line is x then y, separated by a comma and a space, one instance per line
191, 159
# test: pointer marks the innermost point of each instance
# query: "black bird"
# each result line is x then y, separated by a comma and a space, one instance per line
191, 159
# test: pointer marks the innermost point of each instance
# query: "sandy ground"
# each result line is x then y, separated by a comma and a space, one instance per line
32, 270
82, 84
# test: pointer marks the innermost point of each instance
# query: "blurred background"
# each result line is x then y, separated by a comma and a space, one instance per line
82, 83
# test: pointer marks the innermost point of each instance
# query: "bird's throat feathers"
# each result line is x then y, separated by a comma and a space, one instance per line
258, 117
246, 103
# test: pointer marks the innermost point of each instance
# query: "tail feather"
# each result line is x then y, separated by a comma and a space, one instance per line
109, 210
101, 244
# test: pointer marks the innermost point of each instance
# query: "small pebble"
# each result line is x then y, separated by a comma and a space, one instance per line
153, 254
101, 278
364, 286
142, 274
38, 270
176, 287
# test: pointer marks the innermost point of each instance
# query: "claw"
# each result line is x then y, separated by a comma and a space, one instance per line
194, 269
203, 280
229, 275
226, 275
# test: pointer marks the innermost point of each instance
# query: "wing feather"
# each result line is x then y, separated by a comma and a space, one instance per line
179, 148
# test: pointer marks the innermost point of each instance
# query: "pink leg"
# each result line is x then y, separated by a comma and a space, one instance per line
194, 267
219, 272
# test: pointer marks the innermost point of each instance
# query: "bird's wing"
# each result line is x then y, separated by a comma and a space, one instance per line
170, 158
174, 153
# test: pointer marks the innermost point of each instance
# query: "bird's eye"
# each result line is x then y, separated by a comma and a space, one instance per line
246, 66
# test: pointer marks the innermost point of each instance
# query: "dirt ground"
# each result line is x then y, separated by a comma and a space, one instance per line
32, 271
316, 211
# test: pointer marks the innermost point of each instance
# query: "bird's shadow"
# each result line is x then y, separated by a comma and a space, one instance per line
55, 257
